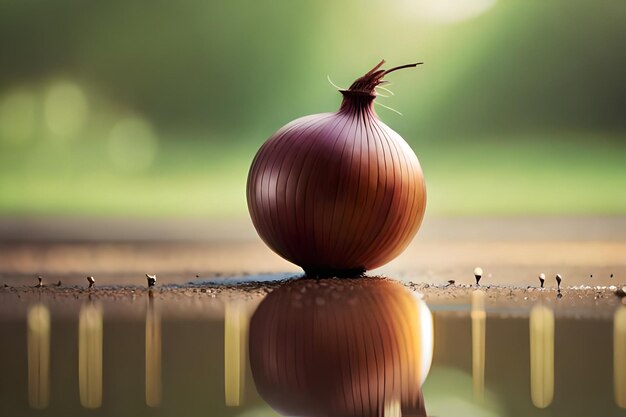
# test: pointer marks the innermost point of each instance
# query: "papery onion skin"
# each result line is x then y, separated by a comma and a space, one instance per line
314, 353
338, 193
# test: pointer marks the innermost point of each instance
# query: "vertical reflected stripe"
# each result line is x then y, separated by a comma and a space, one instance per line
479, 329
153, 356
392, 408
619, 356
90, 356
38, 322
541, 356
235, 342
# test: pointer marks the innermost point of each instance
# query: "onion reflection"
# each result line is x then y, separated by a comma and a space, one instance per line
342, 348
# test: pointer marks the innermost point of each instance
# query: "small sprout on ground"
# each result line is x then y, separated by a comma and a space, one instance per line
40, 283
478, 273
542, 278
451, 282
151, 280
59, 283
558, 281
91, 281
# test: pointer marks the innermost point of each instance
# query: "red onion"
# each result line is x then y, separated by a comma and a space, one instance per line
314, 353
338, 193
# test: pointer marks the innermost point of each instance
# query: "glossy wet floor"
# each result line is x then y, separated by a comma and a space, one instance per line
225, 345
362, 347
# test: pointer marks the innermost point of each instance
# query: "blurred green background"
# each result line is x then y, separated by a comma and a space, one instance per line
156, 109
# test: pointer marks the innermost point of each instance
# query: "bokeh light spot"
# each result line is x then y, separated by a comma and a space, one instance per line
451, 11
65, 109
17, 118
132, 144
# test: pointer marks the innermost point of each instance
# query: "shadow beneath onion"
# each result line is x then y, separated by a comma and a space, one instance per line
234, 281
334, 273
341, 347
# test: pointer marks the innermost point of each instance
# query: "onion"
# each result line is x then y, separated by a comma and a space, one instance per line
338, 193
313, 351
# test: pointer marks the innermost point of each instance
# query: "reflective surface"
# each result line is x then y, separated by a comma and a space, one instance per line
352, 347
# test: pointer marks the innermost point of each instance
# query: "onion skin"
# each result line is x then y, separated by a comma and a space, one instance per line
338, 193
314, 353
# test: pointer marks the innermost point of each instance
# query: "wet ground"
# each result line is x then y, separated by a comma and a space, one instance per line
231, 330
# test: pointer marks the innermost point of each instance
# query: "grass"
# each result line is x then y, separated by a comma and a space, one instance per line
194, 178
